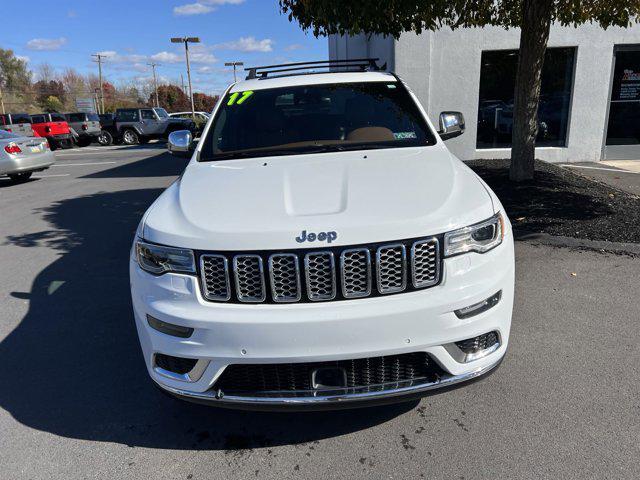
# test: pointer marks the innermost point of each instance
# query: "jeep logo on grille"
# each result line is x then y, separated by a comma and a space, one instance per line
320, 236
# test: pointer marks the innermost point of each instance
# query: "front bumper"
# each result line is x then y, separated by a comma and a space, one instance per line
421, 321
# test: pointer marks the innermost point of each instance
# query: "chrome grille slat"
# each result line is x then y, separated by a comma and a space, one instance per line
355, 270
425, 262
214, 272
249, 277
284, 275
332, 273
391, 268
320, 275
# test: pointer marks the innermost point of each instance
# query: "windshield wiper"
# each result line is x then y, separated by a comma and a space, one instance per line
310, 149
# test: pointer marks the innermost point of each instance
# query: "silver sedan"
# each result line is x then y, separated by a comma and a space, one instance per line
21, 156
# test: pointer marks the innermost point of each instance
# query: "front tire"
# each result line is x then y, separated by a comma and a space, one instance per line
105, 139
20, 177
130, 137
83, 142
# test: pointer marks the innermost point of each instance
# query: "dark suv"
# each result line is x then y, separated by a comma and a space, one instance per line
139, 125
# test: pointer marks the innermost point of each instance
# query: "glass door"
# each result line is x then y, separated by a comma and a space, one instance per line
623, 130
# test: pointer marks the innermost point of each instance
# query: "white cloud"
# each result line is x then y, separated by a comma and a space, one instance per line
46, 43
201, 7
192, 9
200, 53
248, 44
24, 58
72, 14
293, 46
114, 57
167, 57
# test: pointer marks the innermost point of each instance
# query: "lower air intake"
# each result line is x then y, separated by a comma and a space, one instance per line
177, 365
363, 374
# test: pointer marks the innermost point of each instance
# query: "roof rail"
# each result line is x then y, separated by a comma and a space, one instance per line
355, 64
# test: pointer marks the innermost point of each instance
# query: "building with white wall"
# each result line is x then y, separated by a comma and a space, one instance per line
590, 101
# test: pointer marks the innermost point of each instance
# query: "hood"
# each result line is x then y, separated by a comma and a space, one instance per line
364, 197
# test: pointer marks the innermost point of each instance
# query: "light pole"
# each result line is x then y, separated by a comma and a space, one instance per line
234, 65
186, 41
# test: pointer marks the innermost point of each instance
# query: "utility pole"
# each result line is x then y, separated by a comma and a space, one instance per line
234, 65
99, 60
186, 41
2, 101
95, 100
155, 81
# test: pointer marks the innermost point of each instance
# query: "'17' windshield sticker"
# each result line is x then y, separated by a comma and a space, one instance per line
234, 100
404, 135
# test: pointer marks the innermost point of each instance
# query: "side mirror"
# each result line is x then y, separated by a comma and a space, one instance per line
180, 143
451, 125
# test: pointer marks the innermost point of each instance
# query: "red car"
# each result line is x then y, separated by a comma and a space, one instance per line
54, 127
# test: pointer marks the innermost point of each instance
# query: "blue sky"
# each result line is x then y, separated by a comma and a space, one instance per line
132, 33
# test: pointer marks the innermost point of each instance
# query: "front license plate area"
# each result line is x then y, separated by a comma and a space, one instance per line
329, 377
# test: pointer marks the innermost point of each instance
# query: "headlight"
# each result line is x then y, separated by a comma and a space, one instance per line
159, 259
480, 237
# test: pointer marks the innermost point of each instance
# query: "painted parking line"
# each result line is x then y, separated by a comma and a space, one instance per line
81, 164
94, 152
618, 170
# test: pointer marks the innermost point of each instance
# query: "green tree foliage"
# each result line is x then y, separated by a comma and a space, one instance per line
534, 17
52, 104
14, 75
15, 80
44, 89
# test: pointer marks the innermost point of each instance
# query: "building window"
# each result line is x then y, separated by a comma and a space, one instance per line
497, 86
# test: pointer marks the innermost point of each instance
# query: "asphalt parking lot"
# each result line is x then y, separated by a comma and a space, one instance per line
75, 400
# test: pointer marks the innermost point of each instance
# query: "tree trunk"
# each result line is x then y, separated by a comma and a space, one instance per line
536, 22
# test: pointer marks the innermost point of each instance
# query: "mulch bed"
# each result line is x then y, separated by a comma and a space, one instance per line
560, 202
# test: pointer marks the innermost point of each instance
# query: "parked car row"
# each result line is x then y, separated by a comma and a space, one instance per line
129, 126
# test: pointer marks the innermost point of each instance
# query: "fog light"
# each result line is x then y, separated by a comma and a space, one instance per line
479, 307
169, 328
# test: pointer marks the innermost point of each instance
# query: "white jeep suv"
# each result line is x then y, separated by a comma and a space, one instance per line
322, 248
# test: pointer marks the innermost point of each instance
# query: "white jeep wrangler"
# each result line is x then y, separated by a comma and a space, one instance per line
322, 248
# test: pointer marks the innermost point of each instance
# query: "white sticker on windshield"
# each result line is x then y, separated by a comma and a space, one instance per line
404, 135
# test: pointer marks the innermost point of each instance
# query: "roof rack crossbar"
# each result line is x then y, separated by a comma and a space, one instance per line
264, 71
262, 74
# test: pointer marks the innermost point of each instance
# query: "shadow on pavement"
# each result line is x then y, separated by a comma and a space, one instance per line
160, 164
73, 366
6, 182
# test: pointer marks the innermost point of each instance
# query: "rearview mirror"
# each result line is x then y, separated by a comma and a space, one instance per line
180, 143
451, 125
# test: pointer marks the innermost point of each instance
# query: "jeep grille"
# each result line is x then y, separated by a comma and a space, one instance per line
334, 273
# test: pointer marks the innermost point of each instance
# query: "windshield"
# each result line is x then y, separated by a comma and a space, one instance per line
161, 112
315, 118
